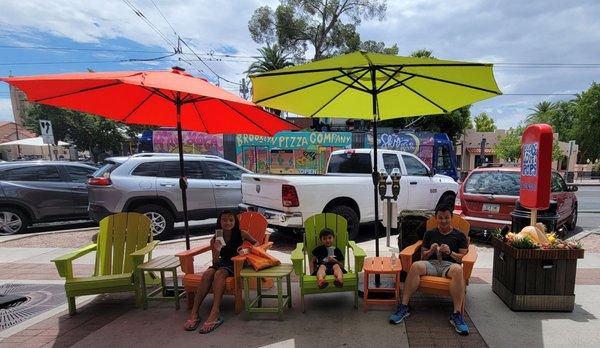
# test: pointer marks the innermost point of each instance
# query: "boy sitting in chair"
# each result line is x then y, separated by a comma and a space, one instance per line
441, 255
328, 260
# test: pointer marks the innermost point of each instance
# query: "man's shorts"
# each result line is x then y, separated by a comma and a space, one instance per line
438, 268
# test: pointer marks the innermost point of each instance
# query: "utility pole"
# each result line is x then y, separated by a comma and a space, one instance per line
482, 153
17, 134
244, 88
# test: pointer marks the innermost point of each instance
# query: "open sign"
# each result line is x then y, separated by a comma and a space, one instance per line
536, 166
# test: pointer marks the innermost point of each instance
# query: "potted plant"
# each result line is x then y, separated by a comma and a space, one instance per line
535, 271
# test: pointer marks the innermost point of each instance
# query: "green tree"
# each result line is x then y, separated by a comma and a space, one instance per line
484, 123
422, 53
328, 26
377, 47
586, 126
508, 147
542, 113
271, 58
88, 132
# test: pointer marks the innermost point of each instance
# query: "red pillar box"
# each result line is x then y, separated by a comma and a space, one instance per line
536, 166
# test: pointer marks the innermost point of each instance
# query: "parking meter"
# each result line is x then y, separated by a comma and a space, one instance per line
395, 182
382, 182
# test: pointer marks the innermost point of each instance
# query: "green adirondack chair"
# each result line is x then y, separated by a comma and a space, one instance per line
302, 256
124, 240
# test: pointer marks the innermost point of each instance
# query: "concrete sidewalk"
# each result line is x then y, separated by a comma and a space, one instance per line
331, 320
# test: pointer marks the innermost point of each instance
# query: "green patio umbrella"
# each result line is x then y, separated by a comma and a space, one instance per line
377, 87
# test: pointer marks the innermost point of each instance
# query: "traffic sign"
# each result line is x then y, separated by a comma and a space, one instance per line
47, 134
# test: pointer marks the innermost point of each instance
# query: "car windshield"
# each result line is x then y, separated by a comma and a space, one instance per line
493, 183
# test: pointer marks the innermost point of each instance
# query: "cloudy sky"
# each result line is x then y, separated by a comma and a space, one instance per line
522, 38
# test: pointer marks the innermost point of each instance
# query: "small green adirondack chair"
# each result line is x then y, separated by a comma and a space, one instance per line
302, 256
123, 241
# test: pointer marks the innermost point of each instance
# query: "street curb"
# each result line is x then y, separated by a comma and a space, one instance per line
29, 235
588, 211
584, 184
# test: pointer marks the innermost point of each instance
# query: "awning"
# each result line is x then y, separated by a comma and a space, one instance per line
33, 142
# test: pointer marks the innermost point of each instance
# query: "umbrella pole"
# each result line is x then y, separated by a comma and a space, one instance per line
375, 169
182, 178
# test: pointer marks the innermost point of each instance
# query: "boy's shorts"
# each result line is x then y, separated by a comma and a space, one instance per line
438, 268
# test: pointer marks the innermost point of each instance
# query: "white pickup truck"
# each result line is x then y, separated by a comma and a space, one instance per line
346, 189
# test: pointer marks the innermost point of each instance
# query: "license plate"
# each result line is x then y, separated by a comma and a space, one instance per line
491, 208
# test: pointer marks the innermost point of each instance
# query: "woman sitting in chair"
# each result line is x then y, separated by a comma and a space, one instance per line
225, 244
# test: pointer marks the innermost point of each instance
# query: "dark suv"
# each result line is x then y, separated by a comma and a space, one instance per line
42, 191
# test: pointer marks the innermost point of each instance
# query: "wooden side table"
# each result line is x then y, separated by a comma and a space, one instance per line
381, 265
277, 272
160, 264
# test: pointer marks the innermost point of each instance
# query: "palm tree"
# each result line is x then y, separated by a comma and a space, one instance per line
271, 58
542, 112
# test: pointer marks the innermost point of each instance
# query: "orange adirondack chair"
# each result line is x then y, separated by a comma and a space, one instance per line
252, 222
441, 285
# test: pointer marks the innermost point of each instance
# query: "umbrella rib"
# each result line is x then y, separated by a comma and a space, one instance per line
79, 91
424, 97
137, 107
342, 91
300, 88
390, 77
395, 85
244, 116
200, 117
268, 74
197, 99
158, 92
451, 82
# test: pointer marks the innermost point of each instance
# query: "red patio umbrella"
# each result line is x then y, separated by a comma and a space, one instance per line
159, 98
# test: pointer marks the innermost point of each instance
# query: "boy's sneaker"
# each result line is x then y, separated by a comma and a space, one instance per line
458, 321
400, 314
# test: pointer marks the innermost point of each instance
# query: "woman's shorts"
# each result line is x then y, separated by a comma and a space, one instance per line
222, 264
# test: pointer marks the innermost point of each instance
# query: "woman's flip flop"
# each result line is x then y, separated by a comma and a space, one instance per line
191, 325
210, 327
338, 284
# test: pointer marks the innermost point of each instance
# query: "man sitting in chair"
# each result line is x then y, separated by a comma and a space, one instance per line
441, 255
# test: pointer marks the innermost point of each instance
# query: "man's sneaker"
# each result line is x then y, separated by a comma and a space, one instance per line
458, 321
400, 314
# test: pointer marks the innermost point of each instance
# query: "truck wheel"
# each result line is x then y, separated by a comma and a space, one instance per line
447, 199
350, 215
161, 219
12, 221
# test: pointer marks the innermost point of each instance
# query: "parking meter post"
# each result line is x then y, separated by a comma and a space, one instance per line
388, 228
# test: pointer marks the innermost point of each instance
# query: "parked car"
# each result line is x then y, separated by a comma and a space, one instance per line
148, 183
41, 191
346, 189
488, 196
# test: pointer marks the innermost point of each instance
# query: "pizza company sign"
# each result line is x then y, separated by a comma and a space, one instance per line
536, 166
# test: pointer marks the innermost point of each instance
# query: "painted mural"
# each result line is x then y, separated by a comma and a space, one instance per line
418, 143
193, 142
290, 152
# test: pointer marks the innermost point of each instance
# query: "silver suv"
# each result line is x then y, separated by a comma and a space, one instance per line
148, 183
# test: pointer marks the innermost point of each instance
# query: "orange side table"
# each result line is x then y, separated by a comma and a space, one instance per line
381, 265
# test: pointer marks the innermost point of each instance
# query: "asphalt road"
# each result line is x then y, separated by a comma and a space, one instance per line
588, 198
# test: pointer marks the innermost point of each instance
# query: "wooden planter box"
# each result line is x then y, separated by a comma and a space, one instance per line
535, 279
